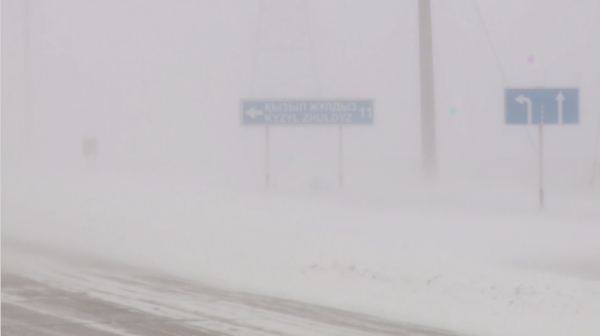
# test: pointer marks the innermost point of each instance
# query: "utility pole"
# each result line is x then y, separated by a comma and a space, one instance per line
284, 60
428, 149
28, 107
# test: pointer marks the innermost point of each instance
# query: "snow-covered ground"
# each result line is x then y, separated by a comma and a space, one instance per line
474, 259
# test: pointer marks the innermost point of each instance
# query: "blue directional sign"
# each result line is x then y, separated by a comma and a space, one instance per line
537, 106
307, 112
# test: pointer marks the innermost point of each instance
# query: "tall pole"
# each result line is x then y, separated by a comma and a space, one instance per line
427, 90
297, 47
541, 159
319, 92
28, 108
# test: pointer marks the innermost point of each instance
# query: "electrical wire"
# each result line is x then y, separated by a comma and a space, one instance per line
500, 67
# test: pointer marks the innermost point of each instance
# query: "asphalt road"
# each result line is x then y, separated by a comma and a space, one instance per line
86, 299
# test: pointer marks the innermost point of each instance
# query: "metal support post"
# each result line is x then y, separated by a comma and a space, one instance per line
267, 159
541, 159
341, 158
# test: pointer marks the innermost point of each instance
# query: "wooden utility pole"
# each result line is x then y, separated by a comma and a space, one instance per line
428, 149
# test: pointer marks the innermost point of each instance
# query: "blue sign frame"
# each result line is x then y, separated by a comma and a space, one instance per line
533, 106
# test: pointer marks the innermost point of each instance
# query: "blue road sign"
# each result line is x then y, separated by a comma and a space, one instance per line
307, 112
547, 106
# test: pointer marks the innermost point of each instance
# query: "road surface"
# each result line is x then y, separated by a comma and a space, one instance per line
90, 299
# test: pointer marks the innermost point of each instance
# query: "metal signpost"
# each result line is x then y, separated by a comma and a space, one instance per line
541, 106
305, 112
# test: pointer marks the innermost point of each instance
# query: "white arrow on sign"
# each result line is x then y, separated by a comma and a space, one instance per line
522, 99
253, 113
560, 98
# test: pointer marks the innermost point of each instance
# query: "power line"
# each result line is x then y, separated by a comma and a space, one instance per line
500, 67
487, 34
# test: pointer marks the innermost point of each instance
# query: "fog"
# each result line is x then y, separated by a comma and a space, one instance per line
158, 84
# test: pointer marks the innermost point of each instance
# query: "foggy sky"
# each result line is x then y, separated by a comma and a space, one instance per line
159, 84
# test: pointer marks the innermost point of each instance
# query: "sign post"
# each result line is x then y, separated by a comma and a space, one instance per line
541, 106
306, 113
340, 159
267, 158
541, 160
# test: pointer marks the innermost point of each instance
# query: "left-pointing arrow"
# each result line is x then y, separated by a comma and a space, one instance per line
521, 100
253, 112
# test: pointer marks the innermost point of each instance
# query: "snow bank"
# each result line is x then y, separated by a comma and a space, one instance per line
451, 256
